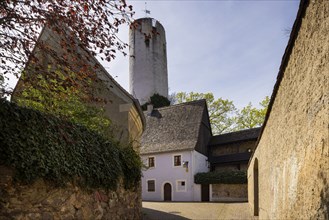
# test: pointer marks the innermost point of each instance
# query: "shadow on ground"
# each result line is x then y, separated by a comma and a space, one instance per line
152, 214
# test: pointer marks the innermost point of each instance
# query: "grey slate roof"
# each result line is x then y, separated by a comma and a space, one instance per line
243, 135
173, 128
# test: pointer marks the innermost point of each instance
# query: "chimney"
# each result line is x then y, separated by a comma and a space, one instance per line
149, 109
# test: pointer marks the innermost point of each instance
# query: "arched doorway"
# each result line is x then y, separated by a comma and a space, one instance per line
256, 189
167, 192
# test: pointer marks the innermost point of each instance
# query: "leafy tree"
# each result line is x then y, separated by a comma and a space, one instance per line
221, 111
251, 117
55, 94
91, 24
223, 115
264, 103
88, 26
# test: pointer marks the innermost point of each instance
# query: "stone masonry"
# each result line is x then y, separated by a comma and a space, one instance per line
293, 152
41, 200
229, 192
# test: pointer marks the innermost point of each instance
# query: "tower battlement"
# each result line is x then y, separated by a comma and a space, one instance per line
148, 72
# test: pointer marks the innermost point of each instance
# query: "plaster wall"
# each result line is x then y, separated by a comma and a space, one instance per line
165, 172
293, 150
148, 60
200, 165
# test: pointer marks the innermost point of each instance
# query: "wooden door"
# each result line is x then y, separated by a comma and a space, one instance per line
167, 192
205, 192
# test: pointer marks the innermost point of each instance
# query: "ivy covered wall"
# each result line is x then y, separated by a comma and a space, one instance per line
50, 168
37, 145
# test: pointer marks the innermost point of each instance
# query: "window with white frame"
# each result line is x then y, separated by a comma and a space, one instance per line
181, 185
151, 162
151, 185
177, 160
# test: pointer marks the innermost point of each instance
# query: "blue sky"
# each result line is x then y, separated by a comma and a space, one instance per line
230, 48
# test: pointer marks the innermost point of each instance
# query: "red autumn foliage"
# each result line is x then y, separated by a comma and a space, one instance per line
90, 24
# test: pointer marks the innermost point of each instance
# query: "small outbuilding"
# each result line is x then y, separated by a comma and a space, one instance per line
229, 153
174, 149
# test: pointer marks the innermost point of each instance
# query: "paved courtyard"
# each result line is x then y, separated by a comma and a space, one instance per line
195, 210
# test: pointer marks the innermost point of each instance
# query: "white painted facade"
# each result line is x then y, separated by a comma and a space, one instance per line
164, 172
148, 60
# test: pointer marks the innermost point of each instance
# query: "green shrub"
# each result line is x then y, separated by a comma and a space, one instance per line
226, 177
157, 101
39, 145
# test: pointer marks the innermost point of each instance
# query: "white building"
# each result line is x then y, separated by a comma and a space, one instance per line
174, 149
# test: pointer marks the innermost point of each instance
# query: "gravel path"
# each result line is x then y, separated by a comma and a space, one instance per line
195, 210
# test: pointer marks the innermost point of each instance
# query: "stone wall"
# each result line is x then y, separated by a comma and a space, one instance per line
41, 200
289, 169
229, 192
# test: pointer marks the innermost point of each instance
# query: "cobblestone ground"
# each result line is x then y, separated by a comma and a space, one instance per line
195, 210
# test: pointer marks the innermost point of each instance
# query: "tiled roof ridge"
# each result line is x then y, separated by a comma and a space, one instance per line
181, 104
167, 151
237, 132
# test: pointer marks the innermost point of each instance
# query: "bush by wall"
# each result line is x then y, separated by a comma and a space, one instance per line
157, 101
226, 177
38, 145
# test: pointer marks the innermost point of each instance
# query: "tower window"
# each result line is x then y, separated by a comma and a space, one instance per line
147, 42
154, 22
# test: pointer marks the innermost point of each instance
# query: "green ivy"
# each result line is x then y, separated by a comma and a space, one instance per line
226, 177
131, 167
38, 145
157, 101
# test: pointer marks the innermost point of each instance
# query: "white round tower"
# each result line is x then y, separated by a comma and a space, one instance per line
148, 60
